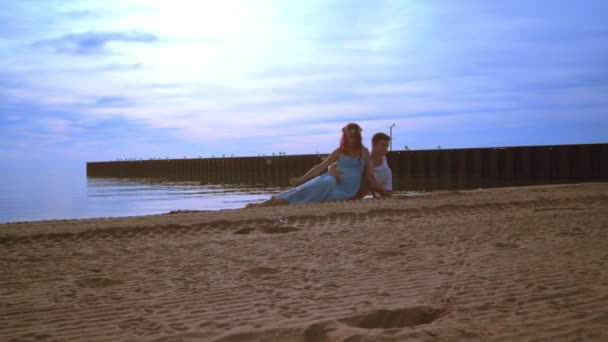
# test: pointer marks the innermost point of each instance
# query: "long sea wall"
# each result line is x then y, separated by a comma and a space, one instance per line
417, 170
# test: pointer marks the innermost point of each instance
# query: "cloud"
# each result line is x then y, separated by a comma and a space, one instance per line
85, 14
113, 101
123, 67
239, 79
93, 42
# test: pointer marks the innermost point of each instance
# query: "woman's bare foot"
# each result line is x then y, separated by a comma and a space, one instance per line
278, 201
271, 202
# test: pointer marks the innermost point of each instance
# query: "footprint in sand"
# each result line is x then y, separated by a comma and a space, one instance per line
245, 230
266, 230
387, 254
506, 245
278, 230
140, 326
261, 271
178, 326
387, 319
33, 336
378, 319
96, 282
575, 231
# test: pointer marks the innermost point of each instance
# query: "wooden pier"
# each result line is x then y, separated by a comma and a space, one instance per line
417, 170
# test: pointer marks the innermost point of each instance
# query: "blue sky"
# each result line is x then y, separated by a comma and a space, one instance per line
104, 80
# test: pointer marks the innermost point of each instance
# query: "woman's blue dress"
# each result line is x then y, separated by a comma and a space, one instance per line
325, 187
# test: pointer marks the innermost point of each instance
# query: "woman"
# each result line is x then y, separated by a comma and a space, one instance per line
352, 159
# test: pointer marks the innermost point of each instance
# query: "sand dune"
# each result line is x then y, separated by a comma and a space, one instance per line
511, 264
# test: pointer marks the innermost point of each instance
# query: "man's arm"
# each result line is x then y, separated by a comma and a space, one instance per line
363, 188
388, 183
369, 173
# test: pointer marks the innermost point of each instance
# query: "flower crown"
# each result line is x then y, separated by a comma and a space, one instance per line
351, 130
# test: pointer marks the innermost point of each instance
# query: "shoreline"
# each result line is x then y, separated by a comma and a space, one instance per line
521, 263
16, 227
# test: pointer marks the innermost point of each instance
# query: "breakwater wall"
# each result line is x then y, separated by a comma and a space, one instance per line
417, 170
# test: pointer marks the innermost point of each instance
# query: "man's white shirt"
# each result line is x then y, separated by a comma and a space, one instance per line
384, 175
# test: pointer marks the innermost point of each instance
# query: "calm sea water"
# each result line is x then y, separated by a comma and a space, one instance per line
32, 194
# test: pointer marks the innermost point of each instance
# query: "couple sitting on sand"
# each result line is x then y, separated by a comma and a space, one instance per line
352, 173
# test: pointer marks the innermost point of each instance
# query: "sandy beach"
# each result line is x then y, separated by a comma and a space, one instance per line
510, 264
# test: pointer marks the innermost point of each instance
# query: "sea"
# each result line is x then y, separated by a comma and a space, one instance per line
30, 194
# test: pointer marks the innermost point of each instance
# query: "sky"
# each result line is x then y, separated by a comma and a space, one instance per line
91, 80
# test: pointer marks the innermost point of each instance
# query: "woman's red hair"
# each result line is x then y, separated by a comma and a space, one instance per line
359, 140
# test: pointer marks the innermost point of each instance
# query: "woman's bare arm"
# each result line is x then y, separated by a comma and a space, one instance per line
317, 169
369, 172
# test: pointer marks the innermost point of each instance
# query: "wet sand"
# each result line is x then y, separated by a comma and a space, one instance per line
512, 264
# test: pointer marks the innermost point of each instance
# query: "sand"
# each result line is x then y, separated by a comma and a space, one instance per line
512, 264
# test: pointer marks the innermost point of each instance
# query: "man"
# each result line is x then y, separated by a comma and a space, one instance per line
382, 173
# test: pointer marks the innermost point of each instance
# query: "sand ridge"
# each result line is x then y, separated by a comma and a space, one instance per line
505, 264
